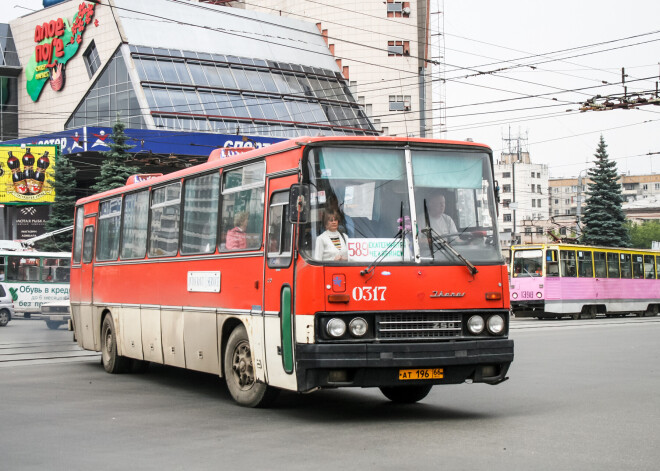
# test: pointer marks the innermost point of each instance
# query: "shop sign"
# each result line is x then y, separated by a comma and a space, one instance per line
57, 41
26, 174
30, 221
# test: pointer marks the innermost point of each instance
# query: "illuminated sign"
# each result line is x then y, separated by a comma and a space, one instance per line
57, 41
26, 174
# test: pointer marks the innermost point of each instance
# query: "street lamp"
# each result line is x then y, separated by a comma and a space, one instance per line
579, 203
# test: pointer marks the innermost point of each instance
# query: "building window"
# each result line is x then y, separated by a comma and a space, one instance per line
556, 212
538, 203
506, 175
92, 59
505, 203
397, 9
556, 201
399, 102
657, 186
533, 203
645, 186
562, 231
506, 188
398, 48
506, 217
568, 212
528, 231
567, 201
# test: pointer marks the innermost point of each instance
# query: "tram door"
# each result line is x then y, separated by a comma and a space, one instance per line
278, 286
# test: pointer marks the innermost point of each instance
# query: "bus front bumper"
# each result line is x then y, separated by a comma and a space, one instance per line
370, 365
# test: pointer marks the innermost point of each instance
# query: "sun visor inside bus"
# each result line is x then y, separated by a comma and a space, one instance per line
431, 169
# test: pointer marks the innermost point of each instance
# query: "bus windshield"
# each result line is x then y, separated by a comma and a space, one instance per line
527, 263
377, 204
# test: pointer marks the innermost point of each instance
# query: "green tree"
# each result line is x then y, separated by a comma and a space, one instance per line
61, 211
642, 235
603, 217
115, 169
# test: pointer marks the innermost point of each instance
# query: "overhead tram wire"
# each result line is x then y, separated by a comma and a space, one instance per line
265, 22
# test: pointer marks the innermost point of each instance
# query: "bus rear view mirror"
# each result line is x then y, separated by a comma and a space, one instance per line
299, 204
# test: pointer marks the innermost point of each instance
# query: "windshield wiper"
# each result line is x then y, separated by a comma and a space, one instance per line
403, 230
435, 240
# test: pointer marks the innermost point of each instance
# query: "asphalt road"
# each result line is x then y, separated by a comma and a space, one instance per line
582, 395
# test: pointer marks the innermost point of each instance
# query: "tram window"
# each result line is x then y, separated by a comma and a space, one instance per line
567, 261
613, 266
600, 265
88, 244
552, 263
626, 270
585, 268
649, 267
638, 266
200, 214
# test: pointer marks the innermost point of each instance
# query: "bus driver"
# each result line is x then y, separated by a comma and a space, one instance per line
331, 244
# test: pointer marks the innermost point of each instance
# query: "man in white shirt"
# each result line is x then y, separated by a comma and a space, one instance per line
440, 222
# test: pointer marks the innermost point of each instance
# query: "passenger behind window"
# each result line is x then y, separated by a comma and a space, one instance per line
236, 237
331, 245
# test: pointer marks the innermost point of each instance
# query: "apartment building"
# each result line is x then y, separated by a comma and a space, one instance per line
383, 49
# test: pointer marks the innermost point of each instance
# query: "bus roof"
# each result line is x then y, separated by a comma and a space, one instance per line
278, 147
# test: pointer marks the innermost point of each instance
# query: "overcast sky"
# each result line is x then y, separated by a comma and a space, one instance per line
485, 35
480, 32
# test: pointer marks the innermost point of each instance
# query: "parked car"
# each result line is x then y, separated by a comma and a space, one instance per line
6, 306
56, 313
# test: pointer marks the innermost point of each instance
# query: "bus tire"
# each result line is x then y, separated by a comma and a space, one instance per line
239, 373
575, 316
4, 317
406, 394
112, 361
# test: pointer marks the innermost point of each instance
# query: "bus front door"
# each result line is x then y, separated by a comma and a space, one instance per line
278, 287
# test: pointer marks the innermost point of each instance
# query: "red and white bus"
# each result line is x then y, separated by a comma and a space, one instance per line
558, 280
215, 268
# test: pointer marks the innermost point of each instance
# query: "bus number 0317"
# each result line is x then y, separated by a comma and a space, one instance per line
369, 293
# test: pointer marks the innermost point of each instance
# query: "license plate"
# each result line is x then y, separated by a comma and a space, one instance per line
424, 373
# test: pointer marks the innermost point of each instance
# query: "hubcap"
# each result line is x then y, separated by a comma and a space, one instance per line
242, 365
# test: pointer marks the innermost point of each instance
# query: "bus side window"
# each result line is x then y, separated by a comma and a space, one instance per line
613, 266
243, 195
88, 244
649, 267
585, 269
626, 271
567, 258
600, 265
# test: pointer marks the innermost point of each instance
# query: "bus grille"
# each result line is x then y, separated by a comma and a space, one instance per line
420, 326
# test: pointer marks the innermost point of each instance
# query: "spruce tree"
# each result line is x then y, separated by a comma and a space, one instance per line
604, 219
61, 211
115, 169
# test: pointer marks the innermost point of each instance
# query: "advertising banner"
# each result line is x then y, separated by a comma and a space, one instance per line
26, 173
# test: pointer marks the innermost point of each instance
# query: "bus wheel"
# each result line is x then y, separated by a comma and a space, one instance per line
239, 373
4, 317
405, 394
576, 316
112, 361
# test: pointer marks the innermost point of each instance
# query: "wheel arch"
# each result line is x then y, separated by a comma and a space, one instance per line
227, 328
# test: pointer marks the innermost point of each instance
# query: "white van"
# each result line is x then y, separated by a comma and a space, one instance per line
6, 305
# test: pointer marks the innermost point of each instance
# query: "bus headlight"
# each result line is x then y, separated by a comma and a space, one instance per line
514, 295
475, 324
358, 327
539, 294
495, 324
335, 327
